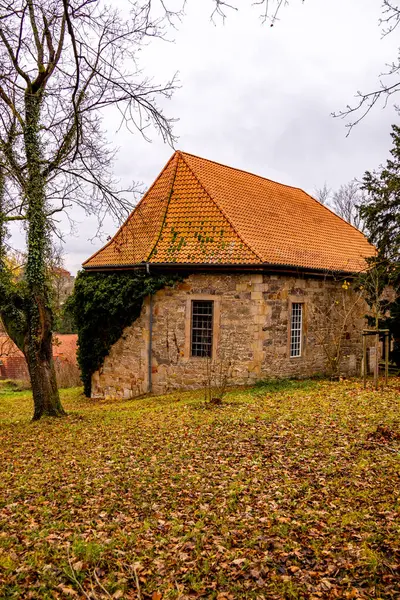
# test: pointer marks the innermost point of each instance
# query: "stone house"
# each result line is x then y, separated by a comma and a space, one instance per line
263, 266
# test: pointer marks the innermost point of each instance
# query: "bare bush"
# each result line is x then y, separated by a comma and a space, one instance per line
332, 323
67, 373
218, 373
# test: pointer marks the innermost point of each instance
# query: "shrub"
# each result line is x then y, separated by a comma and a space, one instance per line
103, 304
67, 373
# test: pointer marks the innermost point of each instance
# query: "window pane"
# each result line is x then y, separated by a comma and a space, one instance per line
202, 328
296, 329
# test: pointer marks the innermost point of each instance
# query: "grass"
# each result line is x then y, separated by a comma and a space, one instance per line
289, 490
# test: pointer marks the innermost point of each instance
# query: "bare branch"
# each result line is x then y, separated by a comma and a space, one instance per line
346, 202
11, 105
323, 195
14, 60
15, 218
366, 102
39, 47
77, 71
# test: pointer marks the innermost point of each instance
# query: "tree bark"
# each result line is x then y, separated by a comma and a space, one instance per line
376, 368
43, 380
377, 312
38, 348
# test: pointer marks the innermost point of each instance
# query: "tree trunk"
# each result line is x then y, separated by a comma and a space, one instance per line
38, 340
43, 380
376, 369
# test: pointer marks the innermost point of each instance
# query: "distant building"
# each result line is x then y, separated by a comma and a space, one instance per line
13, 364
63, 283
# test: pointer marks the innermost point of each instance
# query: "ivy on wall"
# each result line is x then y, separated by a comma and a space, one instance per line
102, 305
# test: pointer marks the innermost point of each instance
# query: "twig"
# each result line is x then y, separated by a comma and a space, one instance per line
74, 578
137, 583
100, 584
384, 446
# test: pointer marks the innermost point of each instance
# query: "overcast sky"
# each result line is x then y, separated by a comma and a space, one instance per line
261, 98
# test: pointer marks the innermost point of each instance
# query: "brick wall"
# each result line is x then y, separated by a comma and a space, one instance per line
13, 364
251, 326
14, 367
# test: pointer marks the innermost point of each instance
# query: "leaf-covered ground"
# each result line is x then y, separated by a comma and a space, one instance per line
286, 491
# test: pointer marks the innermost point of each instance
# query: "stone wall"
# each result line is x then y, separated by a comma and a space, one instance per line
251, 331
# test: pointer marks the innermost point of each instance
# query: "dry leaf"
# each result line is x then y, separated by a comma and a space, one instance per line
69, 591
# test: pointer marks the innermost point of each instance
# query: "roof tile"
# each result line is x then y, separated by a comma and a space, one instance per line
201, 212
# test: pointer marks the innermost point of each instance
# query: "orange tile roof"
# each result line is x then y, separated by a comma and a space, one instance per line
200, 212
64, 346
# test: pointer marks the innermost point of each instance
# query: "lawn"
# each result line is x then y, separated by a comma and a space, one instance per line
286, 491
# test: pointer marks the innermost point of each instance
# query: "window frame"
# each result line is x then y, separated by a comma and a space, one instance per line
188, 325
300, 301
210, 332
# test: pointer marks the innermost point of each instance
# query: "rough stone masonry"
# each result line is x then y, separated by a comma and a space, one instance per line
251, 330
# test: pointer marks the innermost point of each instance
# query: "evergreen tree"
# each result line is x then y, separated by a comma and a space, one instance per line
381, 207
381, 213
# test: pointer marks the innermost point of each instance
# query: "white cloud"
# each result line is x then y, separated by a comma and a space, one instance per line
261, 98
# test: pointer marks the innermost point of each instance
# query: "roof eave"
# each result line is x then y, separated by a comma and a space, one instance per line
218, 267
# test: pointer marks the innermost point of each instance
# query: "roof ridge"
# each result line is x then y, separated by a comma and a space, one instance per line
215, 162
240, 236
135, 208
177, 154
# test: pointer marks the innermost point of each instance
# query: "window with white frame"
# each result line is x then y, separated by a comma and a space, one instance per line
202, 328
296, 327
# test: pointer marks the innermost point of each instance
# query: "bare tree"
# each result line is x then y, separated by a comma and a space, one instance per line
270, 9
218, 373
7, 347
62, 64
346, 202
323, 194
376, 286
332, 324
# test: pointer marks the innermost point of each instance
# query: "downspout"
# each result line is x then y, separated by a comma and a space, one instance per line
150, 350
